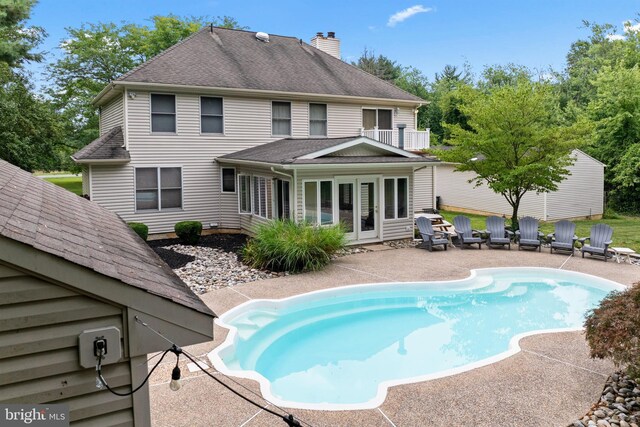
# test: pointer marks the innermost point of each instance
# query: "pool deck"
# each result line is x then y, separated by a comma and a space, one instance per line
551, 382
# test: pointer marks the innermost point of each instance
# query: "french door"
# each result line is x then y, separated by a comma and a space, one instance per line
358, 207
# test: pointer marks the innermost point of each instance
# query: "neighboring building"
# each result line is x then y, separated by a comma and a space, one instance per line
580, 195
68, 266
169, 129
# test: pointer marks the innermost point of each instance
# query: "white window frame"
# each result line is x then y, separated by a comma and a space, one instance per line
250, 187
211, 115
395, 197
175, 115
255, 204
235, 184
326, 120
318, 197
159, 188
290, 117
393, 116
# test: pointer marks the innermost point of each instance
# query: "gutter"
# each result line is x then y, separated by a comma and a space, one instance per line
101, 161
267, 93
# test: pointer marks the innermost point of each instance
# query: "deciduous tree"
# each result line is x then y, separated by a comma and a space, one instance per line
517, 141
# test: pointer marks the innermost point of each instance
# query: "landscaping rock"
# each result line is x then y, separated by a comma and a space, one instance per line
619, 405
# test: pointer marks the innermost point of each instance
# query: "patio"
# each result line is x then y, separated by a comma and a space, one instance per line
552, 381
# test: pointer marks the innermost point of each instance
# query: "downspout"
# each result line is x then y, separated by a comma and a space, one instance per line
126, 119
544, 198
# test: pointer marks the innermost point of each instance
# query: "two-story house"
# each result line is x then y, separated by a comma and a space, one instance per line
233, 128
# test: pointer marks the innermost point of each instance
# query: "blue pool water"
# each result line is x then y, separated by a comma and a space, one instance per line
339, 347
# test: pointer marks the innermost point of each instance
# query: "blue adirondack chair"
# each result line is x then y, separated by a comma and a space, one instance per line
466, 234
498, 234
430, 237
599, 241
528, 234
564, 236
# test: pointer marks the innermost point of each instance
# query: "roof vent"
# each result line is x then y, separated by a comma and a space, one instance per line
263, 37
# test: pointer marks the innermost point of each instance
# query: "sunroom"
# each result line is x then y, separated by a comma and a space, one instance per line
363, 184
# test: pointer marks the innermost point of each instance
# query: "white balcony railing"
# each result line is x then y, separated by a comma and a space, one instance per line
413, 139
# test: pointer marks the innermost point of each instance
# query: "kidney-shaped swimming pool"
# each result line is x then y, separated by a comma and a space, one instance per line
342, 348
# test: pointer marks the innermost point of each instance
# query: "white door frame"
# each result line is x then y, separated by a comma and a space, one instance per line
356, 180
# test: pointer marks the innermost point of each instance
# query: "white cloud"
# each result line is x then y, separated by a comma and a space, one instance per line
406, 14
631, 27
613, 37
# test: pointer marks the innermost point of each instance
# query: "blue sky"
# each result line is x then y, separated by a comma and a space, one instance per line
424, 34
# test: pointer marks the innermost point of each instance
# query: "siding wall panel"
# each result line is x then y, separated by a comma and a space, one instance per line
112, 114
247, 123
39, 349
579, 195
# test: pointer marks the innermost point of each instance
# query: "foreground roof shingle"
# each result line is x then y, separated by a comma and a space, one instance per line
298, 151
109, 146
225, 58
56, 221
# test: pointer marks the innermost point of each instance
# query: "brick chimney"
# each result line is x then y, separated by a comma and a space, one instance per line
329, 44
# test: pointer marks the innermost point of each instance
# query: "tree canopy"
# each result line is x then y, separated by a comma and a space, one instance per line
515, 139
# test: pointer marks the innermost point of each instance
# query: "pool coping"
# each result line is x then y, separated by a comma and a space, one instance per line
383, 387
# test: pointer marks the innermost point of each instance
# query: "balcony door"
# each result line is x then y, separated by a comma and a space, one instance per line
380, 118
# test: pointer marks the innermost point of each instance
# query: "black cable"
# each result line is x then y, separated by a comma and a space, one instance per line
104, 382
288, 418
250, 391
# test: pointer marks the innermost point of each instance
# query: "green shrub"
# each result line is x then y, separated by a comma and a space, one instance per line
290, 246
141, 229
188, 231
613, 329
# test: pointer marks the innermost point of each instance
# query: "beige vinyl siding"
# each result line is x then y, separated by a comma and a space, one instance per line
343, 120
423, 189
39, 327
112, 114
457, 193
579, 195
247, 123
582, 193
300, 119
405, 116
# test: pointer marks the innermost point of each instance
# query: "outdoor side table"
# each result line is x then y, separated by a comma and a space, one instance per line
622, 254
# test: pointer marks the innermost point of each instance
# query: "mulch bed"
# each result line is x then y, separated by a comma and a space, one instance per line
225, 242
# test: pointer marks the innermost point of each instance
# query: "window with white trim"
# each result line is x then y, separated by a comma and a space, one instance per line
318, 202
260, 196
163, 113
244, 186
228, 180
281, 118
158, 188
318, 119
396, 198
211, 117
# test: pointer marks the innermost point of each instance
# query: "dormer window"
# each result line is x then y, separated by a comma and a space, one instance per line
280, 118
163, 113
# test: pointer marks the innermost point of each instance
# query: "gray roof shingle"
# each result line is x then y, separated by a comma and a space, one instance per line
289, 151
228, 58
54, 220
109, 146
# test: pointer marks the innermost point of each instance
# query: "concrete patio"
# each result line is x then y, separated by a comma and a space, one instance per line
551, 382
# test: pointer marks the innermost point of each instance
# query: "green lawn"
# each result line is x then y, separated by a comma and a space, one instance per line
73, 184
626, 229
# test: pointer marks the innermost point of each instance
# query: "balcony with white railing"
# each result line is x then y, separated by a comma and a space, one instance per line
414, 140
